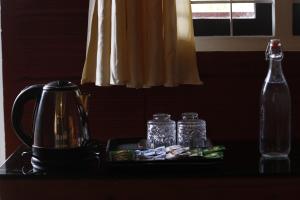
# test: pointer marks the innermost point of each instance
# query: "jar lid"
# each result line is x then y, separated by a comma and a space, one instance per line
191, 118
161, 118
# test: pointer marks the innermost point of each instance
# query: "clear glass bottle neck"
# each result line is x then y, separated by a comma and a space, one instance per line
275, 73
275, 55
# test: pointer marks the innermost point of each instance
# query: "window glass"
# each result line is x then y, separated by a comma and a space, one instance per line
211, 11
296, 18
232, 17
243, 11
261, 24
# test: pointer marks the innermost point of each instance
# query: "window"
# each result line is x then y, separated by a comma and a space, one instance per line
232, 17
246, 25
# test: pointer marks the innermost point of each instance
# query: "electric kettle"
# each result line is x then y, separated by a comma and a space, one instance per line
60, 132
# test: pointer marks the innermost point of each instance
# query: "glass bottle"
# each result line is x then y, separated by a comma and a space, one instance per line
275, 107
191, 131
161, 131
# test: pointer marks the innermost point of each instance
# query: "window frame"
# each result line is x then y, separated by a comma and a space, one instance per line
282, 29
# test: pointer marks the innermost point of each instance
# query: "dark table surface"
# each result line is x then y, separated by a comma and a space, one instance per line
242, 159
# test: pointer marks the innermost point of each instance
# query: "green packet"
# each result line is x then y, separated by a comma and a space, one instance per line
121, 155
213, 149
214, 155
211, 152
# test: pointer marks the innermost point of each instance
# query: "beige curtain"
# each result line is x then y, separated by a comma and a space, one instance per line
140, 43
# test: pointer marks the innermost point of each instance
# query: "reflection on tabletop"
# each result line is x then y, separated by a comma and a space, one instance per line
281, 165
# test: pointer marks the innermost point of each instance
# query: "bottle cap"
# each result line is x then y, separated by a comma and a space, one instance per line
274, 50
275, 43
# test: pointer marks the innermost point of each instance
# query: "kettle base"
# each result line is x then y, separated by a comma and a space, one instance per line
64, 160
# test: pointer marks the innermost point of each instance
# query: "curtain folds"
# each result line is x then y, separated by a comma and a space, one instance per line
140, 43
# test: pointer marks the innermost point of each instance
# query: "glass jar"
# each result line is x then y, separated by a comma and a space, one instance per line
191, 131
161, 131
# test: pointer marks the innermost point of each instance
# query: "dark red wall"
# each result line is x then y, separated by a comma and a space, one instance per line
45, 41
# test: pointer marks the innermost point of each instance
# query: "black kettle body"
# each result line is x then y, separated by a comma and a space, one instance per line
60, 131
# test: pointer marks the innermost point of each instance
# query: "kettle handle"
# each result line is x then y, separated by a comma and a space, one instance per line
30, 93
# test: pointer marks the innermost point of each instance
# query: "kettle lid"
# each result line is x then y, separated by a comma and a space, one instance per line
60, 85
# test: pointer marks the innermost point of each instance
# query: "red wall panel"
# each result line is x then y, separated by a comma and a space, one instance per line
45, 41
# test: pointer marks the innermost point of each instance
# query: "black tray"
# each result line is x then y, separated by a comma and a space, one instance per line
186, 165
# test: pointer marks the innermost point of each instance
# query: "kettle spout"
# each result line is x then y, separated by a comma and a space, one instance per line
84, 98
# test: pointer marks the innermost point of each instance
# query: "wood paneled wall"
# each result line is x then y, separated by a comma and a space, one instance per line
45, 41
